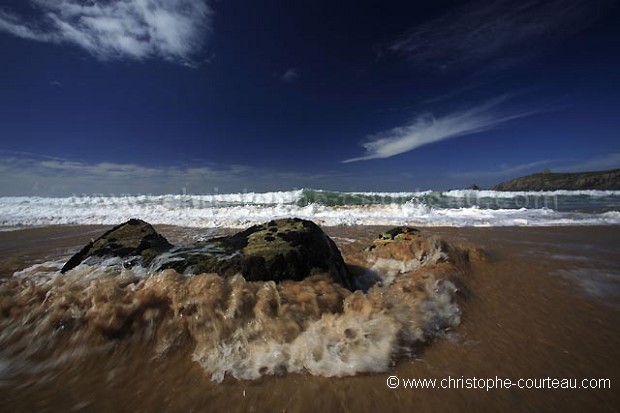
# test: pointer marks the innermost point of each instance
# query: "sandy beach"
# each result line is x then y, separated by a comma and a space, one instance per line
536, 303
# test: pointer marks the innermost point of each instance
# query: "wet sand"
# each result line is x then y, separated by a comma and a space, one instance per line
541, 302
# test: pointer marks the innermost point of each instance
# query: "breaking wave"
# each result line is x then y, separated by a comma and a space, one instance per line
229, 326
424, 208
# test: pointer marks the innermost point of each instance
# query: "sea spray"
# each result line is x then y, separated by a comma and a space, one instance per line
422, 208
229, 326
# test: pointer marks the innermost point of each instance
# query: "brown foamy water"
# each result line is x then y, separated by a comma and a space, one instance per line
102, 339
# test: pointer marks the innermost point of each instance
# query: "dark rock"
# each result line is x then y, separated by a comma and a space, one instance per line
133, 238
285, 249
549, 181
473, 187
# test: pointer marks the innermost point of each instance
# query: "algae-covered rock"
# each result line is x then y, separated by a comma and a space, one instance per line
284, 249
132, 238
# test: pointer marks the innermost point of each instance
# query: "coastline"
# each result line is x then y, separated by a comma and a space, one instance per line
525, 317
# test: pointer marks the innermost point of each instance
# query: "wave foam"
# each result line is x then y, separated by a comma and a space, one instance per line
482, 193
242, 329
241, 210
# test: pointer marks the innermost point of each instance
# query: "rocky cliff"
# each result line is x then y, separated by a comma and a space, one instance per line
549, 181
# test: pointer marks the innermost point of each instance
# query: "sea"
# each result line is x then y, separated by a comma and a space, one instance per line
510, 285
458, 208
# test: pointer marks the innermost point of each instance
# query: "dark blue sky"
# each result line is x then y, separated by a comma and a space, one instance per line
153, 96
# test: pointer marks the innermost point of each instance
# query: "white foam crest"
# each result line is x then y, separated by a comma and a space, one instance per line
472, 193
41, 272
390, 194
337, 345
266, 198
326, 348
17, 212
90, 269
256, 198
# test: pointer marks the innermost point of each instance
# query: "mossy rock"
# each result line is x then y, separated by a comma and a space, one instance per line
284, 249
132, 238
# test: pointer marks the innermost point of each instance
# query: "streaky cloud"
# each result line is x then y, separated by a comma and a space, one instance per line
172, 30
28, 174
498, 34
426, 129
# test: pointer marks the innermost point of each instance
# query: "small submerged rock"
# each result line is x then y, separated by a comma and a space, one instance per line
398, 234
397, 251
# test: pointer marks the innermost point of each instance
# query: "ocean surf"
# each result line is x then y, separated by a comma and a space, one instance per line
460, 208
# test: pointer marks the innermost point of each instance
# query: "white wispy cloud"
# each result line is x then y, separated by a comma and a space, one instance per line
496, 33
290, 75
28, 174
173, 30
425, 129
